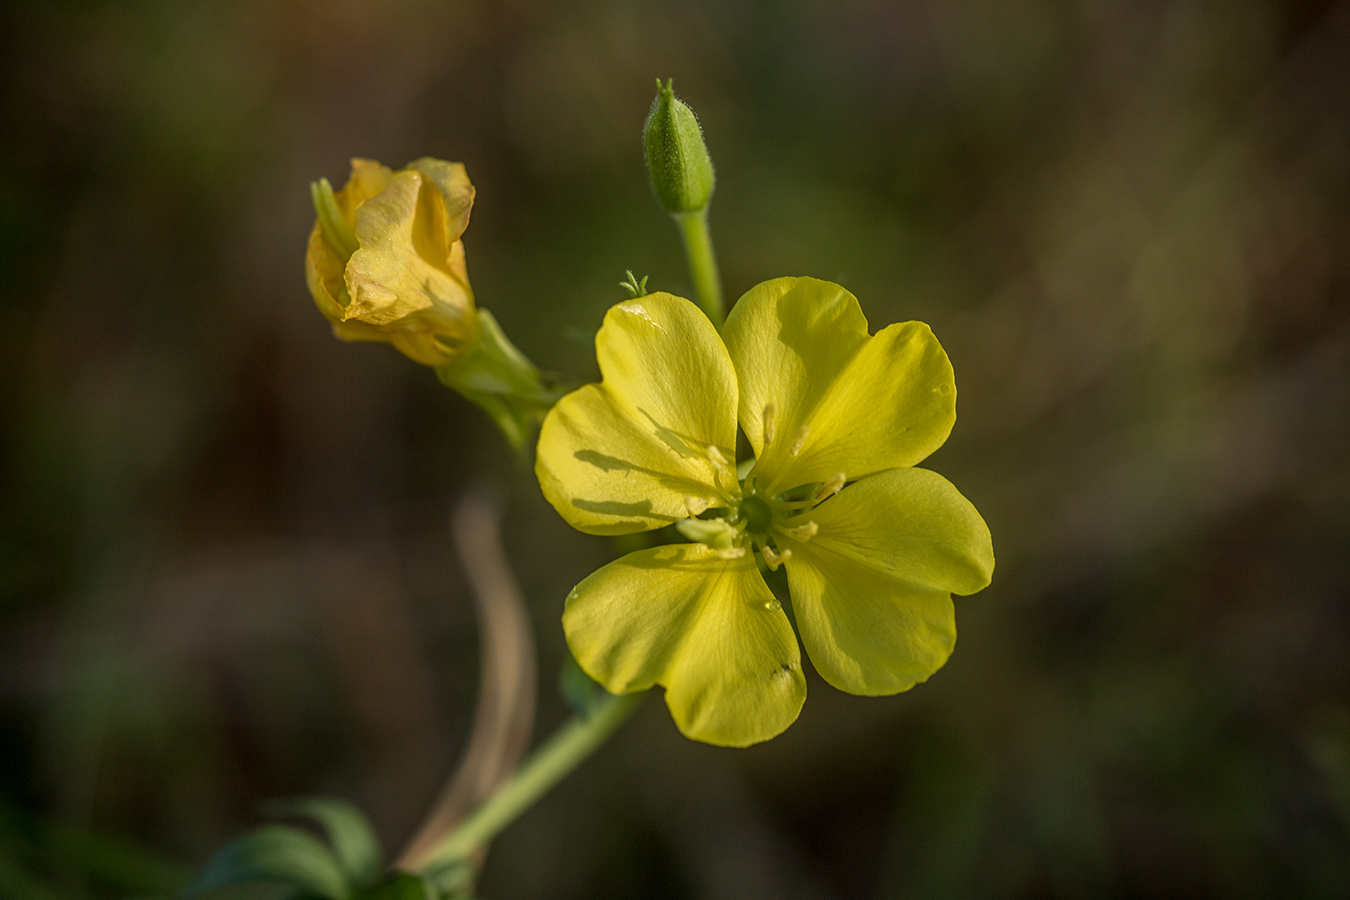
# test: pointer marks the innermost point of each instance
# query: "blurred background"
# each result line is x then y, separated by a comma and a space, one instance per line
226, 573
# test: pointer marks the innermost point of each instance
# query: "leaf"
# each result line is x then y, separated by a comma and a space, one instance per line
349, 831
452, 879
275, 853
400, 886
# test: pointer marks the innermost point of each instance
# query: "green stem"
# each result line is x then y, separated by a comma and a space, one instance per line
698, 248
554, 759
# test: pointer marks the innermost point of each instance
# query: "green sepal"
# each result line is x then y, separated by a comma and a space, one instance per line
678, 164
336, 231
349, 833
498, 378
400, 886
279, 854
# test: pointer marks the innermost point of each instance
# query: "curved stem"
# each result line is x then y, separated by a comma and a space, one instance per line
555, 758
698, 248
505, 712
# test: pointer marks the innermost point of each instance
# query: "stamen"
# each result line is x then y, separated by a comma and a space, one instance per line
716, 533
695, 505
722, 471
731, 553
799, 440
774, 560
770, 419
803, 533
829, 488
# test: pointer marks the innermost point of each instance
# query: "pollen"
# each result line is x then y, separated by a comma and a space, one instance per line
731, 553
715, 456
799, 440
774, 560
770, 419
803, 533
829, 488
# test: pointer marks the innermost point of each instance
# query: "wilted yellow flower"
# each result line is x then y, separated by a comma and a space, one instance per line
385, 261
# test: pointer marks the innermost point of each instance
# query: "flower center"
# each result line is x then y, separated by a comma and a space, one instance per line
754, 518
757, 514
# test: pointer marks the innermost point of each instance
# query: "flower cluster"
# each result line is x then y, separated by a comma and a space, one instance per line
837, 419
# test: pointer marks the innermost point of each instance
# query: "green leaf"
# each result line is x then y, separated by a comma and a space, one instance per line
451, 879
349, 831
280, 854
400, 886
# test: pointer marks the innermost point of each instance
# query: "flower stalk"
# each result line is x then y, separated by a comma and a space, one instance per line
682, 179
568, 747
698, 250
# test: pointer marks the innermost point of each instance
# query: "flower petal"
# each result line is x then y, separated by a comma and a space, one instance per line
405, 274
368, 178
843, 401
706, 628
872, 589
622, 456
457, 194
323, 268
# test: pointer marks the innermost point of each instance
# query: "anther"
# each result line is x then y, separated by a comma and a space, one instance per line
770, 423
804, 533
731, 553
716, 457
715, 533
829, 488
774, 560
695, 505
799, 440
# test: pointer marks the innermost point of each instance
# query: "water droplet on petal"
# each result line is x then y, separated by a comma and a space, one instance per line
772, 605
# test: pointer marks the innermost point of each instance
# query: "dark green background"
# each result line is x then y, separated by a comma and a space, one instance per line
225, 572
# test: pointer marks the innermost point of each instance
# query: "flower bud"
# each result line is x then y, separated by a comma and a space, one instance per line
678, 164
385, 261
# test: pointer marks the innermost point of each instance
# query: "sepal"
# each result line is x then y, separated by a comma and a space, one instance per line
498, 378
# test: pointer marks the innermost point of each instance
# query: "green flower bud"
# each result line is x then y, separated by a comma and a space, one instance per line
678, 164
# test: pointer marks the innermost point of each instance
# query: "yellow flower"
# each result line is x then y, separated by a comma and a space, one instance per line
873, 548
385, 261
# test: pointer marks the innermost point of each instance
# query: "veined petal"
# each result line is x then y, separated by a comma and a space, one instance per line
704, 627
323, 274
872, 588
842, 401
368, 178
789, 339
404, 271
418, 345
623, 455
457, 194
